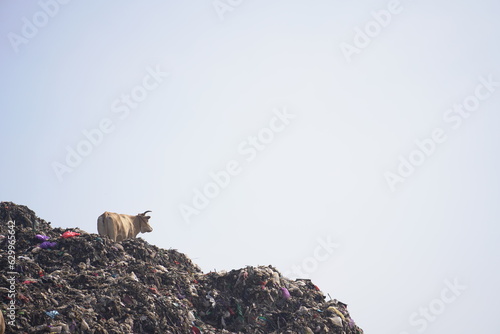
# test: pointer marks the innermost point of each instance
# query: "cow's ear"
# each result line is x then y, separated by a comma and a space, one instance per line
147, 217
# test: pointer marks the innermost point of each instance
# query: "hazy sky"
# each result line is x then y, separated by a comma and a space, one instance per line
354, 143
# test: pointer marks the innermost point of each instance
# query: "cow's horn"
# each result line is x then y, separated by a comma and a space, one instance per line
147, 212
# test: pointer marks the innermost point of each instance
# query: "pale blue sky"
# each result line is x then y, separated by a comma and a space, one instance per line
321, 177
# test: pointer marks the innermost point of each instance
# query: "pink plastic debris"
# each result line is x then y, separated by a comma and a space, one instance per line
69, 234
285, 293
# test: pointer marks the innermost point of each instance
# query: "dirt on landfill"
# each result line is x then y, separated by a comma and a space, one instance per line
79, 282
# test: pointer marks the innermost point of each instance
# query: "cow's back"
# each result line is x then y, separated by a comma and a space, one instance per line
101, 227
106, 225
116, 226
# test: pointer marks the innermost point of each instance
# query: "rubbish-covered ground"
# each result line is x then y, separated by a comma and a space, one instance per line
70, 281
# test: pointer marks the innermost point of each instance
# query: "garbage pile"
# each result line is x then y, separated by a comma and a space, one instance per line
71, 281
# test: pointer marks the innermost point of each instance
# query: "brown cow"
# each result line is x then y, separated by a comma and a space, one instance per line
2, 323
119, 227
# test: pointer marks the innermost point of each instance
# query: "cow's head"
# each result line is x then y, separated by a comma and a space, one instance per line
144, 222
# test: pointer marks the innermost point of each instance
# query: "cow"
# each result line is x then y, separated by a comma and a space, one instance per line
2, 323
119, 227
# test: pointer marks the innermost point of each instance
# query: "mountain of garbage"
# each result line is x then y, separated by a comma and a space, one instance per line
56, 280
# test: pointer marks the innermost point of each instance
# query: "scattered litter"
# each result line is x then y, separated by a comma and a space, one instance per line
90, 284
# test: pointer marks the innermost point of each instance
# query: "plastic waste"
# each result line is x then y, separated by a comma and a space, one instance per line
285, 293
69, 234
90, 284
47, 244
52, 314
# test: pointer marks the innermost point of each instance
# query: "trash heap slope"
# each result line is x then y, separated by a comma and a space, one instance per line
88, 284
